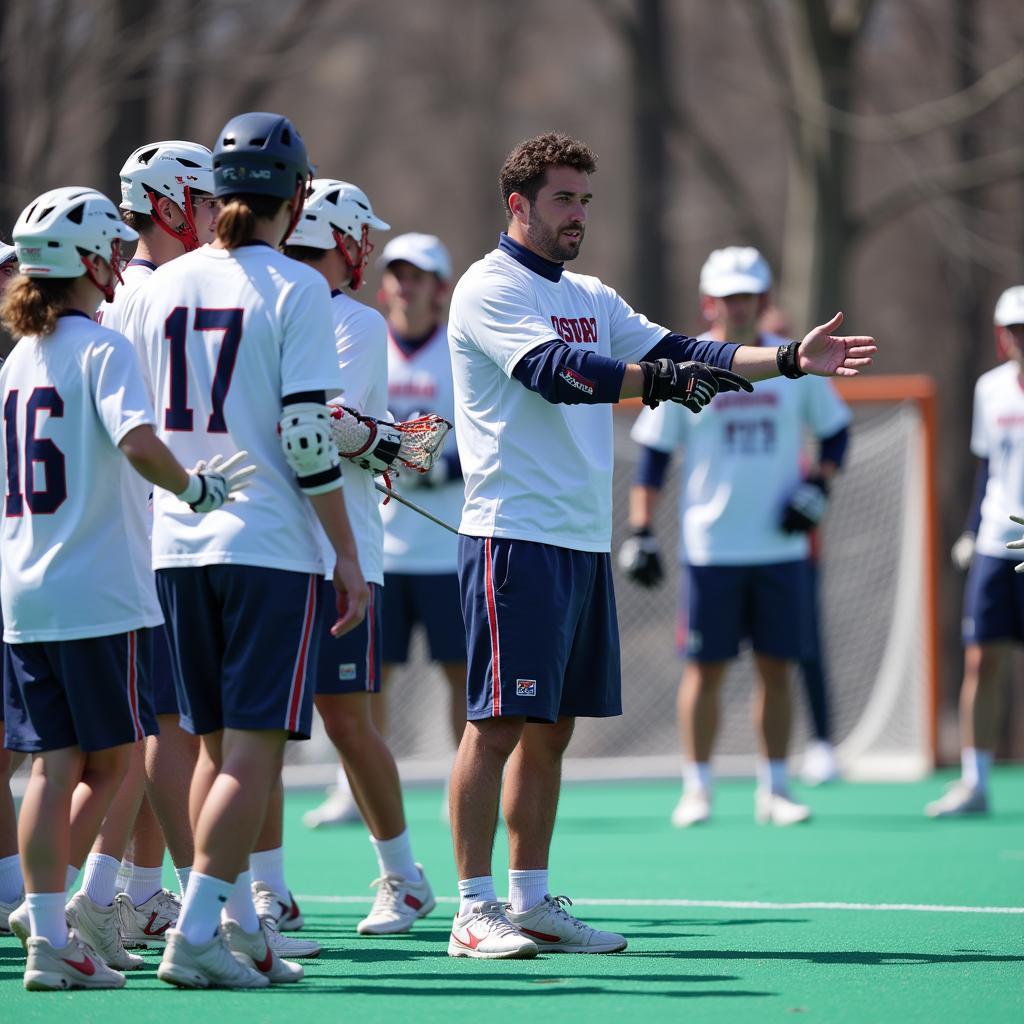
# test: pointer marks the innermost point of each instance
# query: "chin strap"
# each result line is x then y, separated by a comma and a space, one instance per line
302, 189
358, 265
115, 267
187, 234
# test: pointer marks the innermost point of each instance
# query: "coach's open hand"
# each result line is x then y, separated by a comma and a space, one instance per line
828, 355
691, 384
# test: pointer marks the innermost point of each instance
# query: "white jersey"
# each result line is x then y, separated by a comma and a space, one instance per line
535, 470
115, 314
741, 464
73, 566
997, 434
226, 335
360, 335
421, 382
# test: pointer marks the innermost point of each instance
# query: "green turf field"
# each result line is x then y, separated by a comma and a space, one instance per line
727, 922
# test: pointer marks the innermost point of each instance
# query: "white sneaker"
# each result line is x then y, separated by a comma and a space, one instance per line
338, 809
694, 807
284, 910
819, 765
6, 909
959, 799
290, 946
555, 930
76, 965
398, 905
485, 933
254, 949
20, 925
146, 924
97, 926
779, 809
206, 965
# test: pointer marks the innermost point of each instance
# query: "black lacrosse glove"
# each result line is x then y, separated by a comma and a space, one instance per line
806, 506
691, 384
639, 558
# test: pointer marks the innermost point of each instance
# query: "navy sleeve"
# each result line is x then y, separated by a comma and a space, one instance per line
680, 349
980, 484
833, 449
563, 374
652, 467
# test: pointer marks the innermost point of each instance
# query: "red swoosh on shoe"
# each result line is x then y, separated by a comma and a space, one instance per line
266, 963
411, 901
84, 966
148, 930
543, 936
471, 944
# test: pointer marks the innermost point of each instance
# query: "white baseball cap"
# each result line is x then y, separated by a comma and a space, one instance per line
7, 252
1010, 307
736, 270
424, 251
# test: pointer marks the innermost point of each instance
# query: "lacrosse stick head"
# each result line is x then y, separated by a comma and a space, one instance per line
422, 441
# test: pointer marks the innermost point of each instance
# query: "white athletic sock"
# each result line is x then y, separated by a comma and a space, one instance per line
475, 890
239, 906
341, 781
267, 866
69, 877
772, 776
124, 875
394, 856
182, 874
46, 917
526, 889
204, 899
100, 880
697, 775
145, 882
974, 768
12, 885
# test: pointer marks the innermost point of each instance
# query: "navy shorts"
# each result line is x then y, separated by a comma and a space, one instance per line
165, 696
541, 631
769, 605
245, 642
428, 598
351, 664
92, 694
993, 601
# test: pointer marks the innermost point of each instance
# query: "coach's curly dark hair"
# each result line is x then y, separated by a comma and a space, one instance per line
31, 305
525, 167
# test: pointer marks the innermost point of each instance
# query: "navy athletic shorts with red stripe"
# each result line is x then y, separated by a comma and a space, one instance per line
165, 694
244, 644
350, 664
993, 601
541, 632
430, 599
93, 693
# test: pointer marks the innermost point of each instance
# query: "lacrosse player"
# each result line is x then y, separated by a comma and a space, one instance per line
745, 512
993, 618
333, 237
238, 342
537, 356
79, 603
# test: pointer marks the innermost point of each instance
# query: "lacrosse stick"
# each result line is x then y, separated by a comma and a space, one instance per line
377, 446
411, 504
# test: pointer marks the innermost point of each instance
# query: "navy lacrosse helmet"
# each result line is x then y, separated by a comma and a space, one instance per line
260, 154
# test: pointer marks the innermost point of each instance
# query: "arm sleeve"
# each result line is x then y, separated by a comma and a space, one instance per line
680, 349
652, 467
973, 522
833, 448
119, 394
309, 358
567, 376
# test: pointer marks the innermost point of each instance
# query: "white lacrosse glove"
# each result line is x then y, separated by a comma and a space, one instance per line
381, 447
962, 551
210, 484
1017, 545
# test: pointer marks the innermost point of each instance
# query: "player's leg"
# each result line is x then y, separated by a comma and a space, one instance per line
819, 764
12, 886
455, 676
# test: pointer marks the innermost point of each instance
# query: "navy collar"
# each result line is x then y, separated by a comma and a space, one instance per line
136, 262
73, 312
335, 292
530, 260
408, 346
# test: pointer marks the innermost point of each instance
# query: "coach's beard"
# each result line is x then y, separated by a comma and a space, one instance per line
553, 243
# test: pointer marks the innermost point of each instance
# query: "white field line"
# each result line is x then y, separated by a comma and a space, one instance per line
930, 908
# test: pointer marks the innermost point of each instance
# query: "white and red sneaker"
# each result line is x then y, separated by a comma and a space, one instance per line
283, 909
399, 904
254, 950
485, 933
146, 924
555, 930
76, 965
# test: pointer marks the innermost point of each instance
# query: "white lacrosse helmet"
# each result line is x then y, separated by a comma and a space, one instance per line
55, 229
1010, 307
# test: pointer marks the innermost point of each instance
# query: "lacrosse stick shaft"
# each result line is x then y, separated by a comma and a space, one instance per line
411, 504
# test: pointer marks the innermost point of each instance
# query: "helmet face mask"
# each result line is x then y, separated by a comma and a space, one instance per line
57, 230
333, 211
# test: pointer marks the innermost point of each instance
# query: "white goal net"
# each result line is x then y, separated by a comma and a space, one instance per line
875, 625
